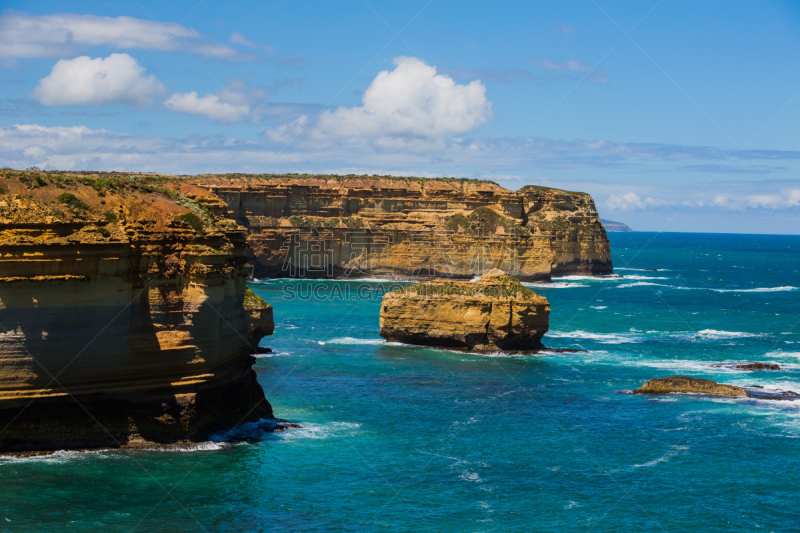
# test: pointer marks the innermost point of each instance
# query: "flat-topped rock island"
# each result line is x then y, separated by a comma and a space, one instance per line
495, 313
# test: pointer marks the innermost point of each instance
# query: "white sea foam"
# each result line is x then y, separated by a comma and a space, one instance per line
646, 278
269, 355
353, 341
598, 307
554, 285
786, 288
675, 450
604, 338
717, 334
643, 269
612, 277
320, 431
640, 284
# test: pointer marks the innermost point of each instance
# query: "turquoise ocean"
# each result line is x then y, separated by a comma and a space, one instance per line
404, 438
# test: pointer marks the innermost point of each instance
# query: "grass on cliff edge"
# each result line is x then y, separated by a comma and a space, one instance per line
154, 182
253, 300
495, 287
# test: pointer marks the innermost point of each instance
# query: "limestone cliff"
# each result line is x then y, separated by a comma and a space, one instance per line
335, 226
495, 313
122, 317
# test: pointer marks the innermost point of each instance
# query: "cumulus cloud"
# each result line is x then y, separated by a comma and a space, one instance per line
235, 102
208, 106
411, 102
629, 200
23, 35
116, 79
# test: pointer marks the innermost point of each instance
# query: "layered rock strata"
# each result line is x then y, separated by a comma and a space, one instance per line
356, 226
122, 316
493, 314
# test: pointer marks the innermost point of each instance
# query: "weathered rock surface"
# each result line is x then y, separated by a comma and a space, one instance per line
758, 366
356, 226
493, 314
259, 314
687, 384
122, 317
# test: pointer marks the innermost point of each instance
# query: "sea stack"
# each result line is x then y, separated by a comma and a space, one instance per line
495, 313
122, 314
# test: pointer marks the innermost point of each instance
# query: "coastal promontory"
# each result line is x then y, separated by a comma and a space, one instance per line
328, 226
122, 313
495, 313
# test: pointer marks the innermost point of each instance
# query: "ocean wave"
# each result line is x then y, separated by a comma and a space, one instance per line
554, 285
353, 341
786, 288
634, 277
717, 334
643, 269
59, 456
640, 284
598, 307
603, 338
611, 277
270, 355
675, 450
320, 431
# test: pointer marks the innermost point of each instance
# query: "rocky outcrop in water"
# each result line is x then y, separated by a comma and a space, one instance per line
493, 314
122, 314
686, 384
357, 226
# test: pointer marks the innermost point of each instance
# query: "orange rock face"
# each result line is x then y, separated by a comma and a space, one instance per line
495, 313
332, 226
122, 318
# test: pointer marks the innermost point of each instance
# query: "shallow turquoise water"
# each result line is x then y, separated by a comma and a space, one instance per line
401, 438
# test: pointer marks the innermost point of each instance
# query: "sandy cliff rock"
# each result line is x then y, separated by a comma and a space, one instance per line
495, 313
121, 314
356, 226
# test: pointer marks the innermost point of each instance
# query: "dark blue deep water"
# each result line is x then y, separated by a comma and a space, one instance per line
401, 438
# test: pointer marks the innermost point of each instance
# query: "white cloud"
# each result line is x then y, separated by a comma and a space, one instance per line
568, 65
116, 79
411, 102
627, 201
23, 35
236, 101
208, 106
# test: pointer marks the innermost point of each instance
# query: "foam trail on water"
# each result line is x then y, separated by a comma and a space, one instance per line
354, 341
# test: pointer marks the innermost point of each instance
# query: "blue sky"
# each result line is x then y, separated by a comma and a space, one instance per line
675, 116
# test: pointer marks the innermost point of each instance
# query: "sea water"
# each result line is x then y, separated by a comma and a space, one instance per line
404, 438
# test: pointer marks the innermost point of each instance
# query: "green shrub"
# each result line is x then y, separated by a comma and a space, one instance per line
72, 201
111, 217
104, 232
253, 300
457, 221
2, 191
193, 220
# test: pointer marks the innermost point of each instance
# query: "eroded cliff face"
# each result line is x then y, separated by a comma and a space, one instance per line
495, 313
122, 318
332, 226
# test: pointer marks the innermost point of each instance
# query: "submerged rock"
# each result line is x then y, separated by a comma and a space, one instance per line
495, 313
687, 384
758, 366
